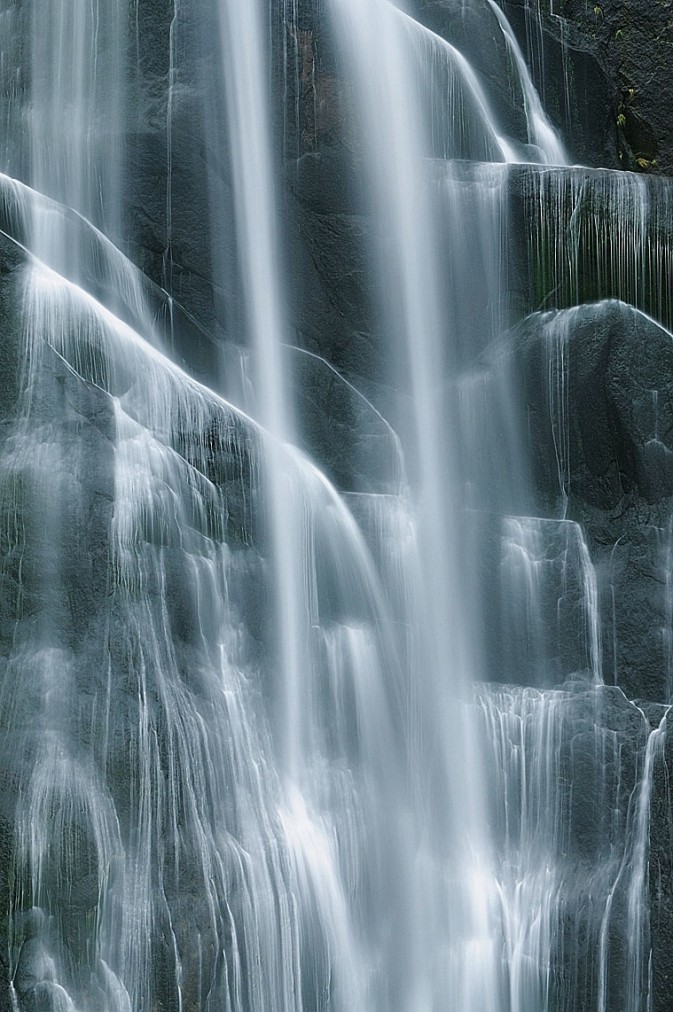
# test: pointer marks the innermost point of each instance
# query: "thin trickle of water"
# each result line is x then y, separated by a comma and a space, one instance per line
638, 995
76, 115
557, 329
535, 16
549, 589
600, 234
545, 748
298, 73
540, 131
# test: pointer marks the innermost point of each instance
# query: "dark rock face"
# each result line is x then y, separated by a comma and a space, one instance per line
619, 368
357, 448
661, 877
330, 241
604, 73
596, 393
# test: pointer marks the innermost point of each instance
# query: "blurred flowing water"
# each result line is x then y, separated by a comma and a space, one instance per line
252, 760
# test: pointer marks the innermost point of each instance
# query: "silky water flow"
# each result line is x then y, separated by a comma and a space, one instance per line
251, 757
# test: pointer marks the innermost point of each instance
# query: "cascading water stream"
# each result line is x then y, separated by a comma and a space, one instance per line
76, 116
293, 850
306, 645
250, 760
381, 45
250, 144
540, 131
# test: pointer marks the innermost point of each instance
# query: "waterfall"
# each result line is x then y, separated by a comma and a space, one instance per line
323, 681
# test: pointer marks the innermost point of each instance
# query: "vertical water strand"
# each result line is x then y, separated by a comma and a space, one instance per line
625, 923
632, 920
524, 732
551, 623
522, 560
567, 68
472, 206
11, 78
638, 997
621, 260
167, 258
63, 86
76, 115
292, 76
613, 577
540, 131
318, 812
642, 219
591, 609
244, 43
112, 107
380, 46
660, 253
600, 234
535, 39
557, 330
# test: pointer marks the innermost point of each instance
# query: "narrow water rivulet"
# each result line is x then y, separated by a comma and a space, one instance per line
336, 485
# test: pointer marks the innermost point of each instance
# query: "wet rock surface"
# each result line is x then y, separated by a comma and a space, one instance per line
604, 445
604, 71
661, 876
64, 617
606, 81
